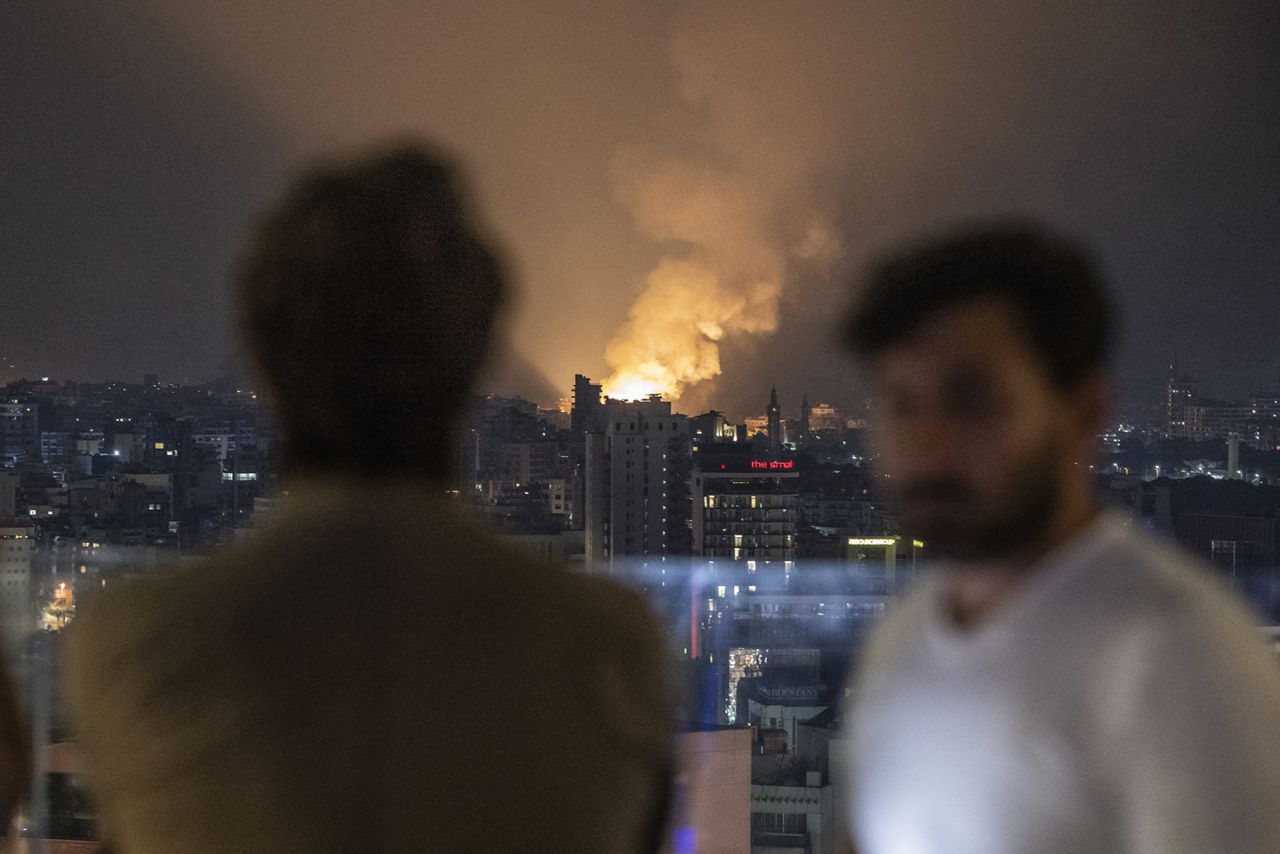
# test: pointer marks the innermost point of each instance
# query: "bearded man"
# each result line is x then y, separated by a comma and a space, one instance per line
1064, 683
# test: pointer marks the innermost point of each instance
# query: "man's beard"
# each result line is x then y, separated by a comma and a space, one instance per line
1019, 520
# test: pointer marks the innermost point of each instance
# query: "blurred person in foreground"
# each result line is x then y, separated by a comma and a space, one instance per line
375, 671
15, 750
1064, 683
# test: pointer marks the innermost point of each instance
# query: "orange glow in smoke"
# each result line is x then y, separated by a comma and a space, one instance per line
639, 383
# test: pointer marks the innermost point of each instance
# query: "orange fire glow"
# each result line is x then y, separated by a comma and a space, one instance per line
671, 337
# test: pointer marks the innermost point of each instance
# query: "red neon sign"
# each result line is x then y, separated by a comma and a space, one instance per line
773, 464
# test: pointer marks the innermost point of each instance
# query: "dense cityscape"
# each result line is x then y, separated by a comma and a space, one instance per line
717, 427
764, 543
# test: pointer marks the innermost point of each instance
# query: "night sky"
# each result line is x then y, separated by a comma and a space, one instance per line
769, 148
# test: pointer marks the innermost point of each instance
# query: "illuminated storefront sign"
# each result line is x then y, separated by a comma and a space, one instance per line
773, 464
744, 465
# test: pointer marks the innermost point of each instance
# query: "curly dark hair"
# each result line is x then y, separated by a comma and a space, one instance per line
1052, 285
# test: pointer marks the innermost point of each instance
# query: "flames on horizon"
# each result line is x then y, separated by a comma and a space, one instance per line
672, 335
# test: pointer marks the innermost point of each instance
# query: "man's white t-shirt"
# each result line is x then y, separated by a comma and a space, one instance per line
1119, 702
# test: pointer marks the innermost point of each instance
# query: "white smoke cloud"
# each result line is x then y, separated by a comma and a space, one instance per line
734, 204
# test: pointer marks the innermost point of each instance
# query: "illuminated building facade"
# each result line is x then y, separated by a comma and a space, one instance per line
756, 425
1213, 419
877, 559
1255, 421
746, 505
637, 475
711, 427
1179, 392
56, 447
19, 431
1264, 431
824, 419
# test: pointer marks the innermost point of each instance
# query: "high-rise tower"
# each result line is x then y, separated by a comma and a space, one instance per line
775, 421
803, 438
587, 414
1179, 392
637, 482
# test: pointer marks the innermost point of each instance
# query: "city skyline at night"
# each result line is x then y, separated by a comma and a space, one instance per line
695, 425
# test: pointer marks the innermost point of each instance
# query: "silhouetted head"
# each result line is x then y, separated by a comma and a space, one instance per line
368, 301
987, 349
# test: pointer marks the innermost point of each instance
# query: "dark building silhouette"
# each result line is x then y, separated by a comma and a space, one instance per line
587, 415
805, 428
774, 415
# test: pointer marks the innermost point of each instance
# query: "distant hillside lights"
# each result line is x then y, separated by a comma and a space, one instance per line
1256, 420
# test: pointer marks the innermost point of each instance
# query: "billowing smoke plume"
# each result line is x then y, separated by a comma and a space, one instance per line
752, 132
734, 205
725, 281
